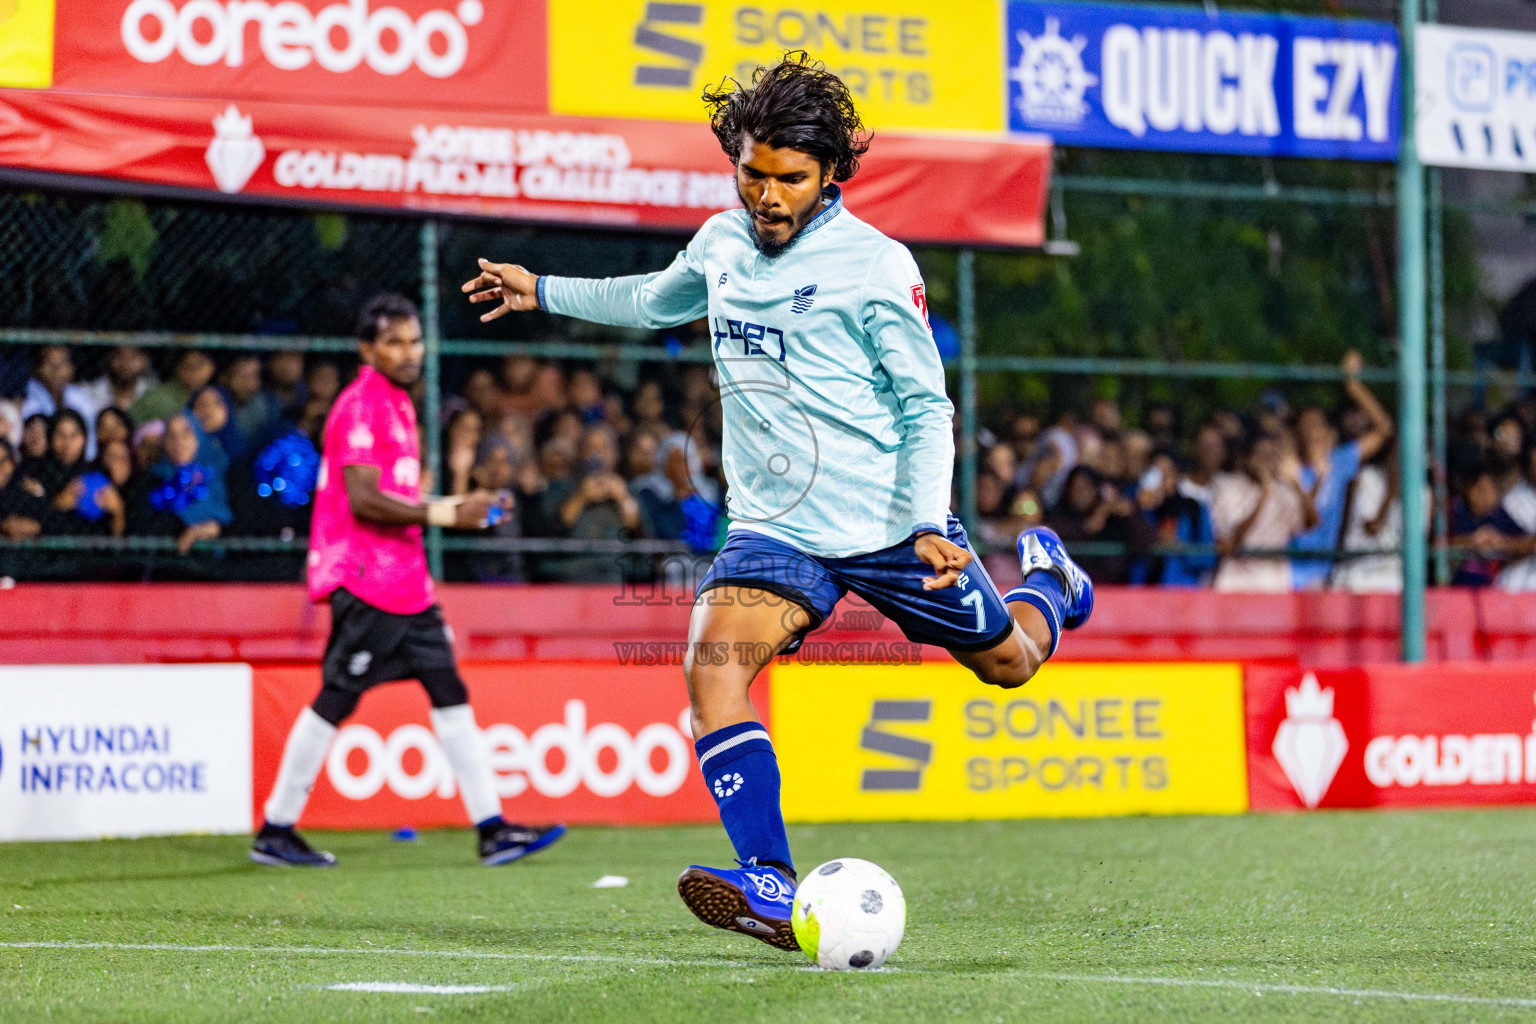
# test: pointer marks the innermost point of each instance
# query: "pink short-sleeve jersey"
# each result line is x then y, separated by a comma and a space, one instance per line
372, 424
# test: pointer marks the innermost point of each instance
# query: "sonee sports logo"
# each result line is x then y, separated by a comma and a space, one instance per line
729, 785
916, 753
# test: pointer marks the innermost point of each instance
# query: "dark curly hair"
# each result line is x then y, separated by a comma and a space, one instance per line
387, 306
795, 104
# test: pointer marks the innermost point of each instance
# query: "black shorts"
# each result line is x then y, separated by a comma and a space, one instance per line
369, 646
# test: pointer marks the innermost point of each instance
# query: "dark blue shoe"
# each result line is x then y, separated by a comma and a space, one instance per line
514, 842
1040, 548
284, 848
751, 900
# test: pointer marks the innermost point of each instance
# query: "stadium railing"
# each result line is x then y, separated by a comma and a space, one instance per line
121, 262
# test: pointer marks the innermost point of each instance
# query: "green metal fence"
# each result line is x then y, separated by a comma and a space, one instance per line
96, 271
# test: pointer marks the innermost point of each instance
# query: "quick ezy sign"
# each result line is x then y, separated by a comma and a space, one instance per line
1179, 79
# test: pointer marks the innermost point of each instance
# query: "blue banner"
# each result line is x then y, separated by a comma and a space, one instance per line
1177, 78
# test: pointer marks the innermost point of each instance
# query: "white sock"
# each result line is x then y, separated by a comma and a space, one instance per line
302, 758
460, 736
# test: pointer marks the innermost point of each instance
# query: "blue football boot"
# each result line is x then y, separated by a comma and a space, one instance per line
755, 901
277, 846
1040, 548
514, 842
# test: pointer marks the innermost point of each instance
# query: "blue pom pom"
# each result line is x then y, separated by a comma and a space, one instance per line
288, 469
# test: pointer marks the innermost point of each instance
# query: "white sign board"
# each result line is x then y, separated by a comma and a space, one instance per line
90, 751
1476, 98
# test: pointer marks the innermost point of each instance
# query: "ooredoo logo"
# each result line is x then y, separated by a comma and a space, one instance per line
604, 758
340, 37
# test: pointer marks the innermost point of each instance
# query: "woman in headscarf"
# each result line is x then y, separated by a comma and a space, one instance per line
34, 444
112, 424
21, 511
81, 500
187, 489
210, 408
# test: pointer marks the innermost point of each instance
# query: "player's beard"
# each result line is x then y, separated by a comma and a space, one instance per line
767, 246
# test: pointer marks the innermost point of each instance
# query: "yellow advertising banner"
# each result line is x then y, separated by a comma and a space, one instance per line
26, 44
928, 742
912, 65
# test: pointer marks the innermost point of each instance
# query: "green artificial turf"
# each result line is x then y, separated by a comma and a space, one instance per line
1252, 918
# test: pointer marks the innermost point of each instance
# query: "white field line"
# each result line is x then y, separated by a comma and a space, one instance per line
457, 954
408, 988
1235, 984
1238, 984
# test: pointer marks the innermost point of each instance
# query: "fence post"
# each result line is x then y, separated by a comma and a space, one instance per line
1410, 354
431, 330
1437, 415
967, 283
1437, 412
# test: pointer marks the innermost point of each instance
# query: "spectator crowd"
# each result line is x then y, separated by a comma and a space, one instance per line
1270, 498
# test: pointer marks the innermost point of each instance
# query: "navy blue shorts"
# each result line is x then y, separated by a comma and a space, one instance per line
968, 616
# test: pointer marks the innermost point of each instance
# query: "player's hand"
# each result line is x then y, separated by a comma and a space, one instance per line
948, 560
514, 288
472, 512
1352, 365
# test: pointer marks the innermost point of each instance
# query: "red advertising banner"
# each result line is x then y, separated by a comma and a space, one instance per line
547, 169
461, 54
573, 742
1390, 736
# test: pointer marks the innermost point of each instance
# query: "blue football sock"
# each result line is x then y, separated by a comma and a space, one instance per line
742, 774
1042, 590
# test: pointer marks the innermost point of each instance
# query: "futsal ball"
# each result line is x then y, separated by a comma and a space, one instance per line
849, 915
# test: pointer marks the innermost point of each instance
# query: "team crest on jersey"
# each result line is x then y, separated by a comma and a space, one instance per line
406, 472
920, 300
803, 299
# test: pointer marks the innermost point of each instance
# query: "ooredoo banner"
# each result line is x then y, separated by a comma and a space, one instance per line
475, 54
927, 742
1391, 736
578, 742
550, 169
94, 751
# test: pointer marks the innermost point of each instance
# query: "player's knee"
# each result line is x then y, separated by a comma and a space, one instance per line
1008, 668
335, 704
445, 688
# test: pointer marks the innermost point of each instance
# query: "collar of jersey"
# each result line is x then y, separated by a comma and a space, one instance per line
834, 198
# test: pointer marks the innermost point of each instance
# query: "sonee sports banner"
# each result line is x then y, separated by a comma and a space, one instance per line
1172, 78
930, 743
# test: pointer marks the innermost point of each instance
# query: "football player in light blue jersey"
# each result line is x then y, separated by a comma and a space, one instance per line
838, 453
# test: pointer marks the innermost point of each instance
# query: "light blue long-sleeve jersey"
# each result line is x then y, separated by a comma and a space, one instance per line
838, 435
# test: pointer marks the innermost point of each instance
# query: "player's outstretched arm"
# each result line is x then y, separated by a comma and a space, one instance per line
664, 299
370, 504
511, 287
